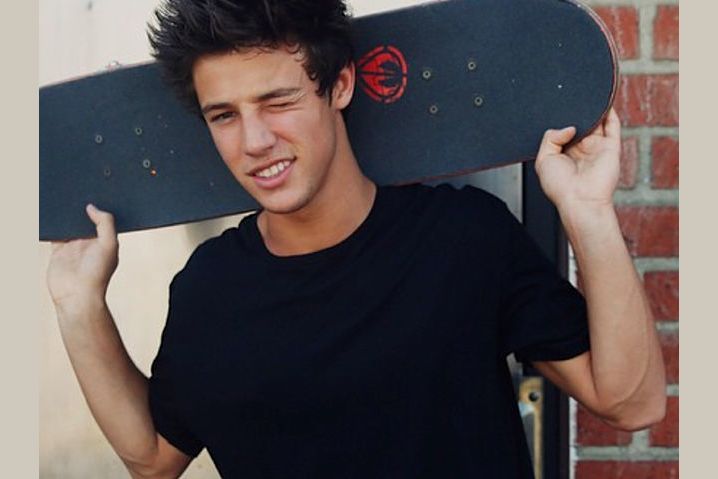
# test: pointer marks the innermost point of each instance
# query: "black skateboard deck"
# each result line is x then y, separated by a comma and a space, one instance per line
443, 88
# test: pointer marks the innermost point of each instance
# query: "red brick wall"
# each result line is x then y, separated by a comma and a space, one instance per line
646, 33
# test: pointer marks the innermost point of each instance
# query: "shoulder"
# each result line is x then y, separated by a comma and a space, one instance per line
444, 193
207, 260
214, 248
448, 195
466, 218
467, 205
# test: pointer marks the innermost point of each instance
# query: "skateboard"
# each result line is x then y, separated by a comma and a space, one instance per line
443, 88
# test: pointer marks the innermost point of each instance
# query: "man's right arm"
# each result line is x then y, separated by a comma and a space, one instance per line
115, 390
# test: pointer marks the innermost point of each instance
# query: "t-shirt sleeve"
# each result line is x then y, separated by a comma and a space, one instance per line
165, 392
168, 422
543, 317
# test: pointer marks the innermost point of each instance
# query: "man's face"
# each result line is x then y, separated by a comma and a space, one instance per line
275, 134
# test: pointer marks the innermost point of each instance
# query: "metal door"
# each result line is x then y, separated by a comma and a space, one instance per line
544, 409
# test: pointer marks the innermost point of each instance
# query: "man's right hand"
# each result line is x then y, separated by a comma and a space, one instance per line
115, 389
80, 270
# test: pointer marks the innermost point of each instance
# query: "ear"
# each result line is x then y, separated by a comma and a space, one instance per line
344, 87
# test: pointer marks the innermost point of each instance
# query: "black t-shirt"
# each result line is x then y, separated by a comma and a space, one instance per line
383, 356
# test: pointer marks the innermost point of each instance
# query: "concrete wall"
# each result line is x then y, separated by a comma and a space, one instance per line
78, 37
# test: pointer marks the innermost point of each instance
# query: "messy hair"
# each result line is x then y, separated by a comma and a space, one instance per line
187, 29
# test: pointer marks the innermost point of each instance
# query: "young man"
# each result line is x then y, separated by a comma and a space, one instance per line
349, 330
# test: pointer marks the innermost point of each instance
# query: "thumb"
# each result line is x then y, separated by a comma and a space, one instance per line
554, 140
104, 223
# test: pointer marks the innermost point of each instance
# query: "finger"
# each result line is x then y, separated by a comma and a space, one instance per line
600, 130
55, 245
554, 141
104, 223
612, 125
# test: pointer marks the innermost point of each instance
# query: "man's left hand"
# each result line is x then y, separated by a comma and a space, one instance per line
584, 174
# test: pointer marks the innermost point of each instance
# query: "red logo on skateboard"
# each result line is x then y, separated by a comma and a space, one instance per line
383, 74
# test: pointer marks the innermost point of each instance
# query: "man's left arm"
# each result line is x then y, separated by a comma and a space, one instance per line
621, 379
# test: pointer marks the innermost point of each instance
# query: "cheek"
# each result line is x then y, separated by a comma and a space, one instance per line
300, 125
227, 144
325, 143
289, 125
318, 134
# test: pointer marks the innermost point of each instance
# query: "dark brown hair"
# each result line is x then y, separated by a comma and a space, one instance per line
188, 29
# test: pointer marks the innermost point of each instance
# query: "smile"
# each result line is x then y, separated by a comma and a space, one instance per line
273, 170
273, 176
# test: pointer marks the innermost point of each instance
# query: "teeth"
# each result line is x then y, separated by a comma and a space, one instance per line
273, 170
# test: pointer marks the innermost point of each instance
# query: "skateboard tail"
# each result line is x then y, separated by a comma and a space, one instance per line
613, 51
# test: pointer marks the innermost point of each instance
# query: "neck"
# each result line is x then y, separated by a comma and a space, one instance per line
336, 211
310, 231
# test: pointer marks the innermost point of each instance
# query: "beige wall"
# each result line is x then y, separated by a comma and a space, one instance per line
79, 37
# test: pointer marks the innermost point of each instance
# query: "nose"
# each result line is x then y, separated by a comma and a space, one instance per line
258, 137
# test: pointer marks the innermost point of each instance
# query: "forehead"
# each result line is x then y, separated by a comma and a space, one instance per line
247, 73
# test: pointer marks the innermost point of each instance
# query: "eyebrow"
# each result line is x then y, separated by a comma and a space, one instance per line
278, 93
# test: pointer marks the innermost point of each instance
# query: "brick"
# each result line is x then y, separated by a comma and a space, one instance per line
591, 431
669, 347
649, 230
627, 470
665, 433
622, 23
650, 100
662, 291
665, 33
629, 163
664, 162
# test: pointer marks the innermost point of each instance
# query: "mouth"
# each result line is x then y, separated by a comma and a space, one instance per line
273, 175
272, 170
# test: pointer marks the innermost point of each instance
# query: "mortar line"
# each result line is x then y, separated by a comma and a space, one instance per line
646, 16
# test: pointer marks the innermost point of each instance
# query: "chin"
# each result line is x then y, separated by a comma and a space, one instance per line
283, 204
